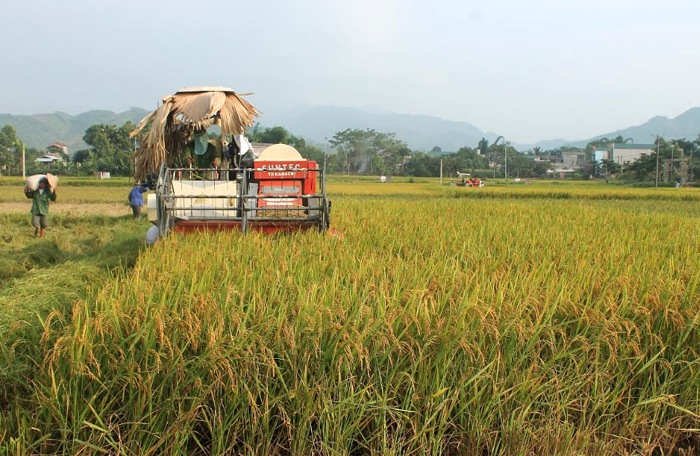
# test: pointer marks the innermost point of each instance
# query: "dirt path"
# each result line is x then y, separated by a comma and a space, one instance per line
111, 209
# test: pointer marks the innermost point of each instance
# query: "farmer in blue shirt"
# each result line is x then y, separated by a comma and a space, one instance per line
136, 199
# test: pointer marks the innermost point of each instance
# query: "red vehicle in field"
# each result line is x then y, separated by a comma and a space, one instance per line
467, 181
269, 188
278, 193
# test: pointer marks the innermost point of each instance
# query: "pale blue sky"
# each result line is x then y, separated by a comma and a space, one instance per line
530, 70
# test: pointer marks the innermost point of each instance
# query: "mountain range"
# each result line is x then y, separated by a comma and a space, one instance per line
420, 132
317, 123
685, 125
424, 132
40, 130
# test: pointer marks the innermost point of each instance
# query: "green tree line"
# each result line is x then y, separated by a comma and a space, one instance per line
357, 151
110, 149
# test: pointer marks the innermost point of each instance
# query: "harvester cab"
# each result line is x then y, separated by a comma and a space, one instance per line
261, 187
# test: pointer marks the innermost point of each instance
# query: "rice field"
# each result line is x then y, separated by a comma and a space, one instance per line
513, 320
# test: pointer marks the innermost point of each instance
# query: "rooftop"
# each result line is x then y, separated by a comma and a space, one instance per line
634, 146
440, 154
47, 159
573, 152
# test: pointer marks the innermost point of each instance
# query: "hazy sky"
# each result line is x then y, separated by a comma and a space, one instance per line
529, 70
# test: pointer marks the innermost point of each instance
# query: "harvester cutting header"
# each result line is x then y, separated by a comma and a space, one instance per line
229, 183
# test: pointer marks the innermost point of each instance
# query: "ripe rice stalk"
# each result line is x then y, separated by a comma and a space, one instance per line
555, 327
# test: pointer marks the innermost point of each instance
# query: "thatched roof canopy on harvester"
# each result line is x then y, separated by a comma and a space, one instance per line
190, 108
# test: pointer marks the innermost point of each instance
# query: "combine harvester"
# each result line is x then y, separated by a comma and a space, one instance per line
467, 181
270, 188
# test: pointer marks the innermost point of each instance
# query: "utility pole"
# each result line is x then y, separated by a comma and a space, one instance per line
24, 166
607, 176
657, 161
440, 170
673, 165
505, 157
691, 165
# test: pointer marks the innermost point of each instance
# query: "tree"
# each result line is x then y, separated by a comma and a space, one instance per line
483, 146
465, 160
540, 168
403, 154
111, 149
422, 165
280, 135
10, 147
8, 136
273, 135
608, 167
436, 149
644, 168
81, 155
377, 165
391, 151
357, 149
519, 165
253, 133
308, 151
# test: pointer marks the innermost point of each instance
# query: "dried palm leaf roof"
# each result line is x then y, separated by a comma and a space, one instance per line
189, 108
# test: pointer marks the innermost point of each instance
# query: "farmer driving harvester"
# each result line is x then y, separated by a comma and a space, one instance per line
269, 189
199, 152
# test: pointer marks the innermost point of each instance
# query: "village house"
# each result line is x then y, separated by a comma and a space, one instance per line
55, 152
567, 163
622, 153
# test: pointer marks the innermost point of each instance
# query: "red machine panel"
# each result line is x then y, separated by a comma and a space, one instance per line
288, 191
281, 169
287, 170
310, 182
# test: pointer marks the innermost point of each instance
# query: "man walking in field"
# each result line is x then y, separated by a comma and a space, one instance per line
40, 206
136, 199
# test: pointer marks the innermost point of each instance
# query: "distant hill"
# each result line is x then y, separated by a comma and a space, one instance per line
686, 125
316, 123
419, 131
40, 130
423, 132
